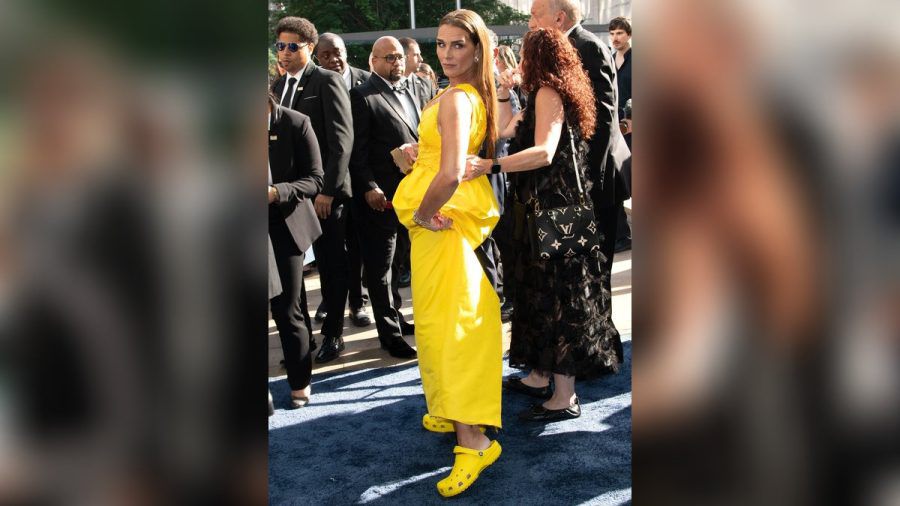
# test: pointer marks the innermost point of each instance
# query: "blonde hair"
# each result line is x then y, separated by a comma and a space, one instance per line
474, 26
507, 56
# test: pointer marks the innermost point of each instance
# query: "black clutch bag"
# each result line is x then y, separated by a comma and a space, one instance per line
567, 231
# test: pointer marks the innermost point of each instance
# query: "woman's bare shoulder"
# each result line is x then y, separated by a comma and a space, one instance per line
455, 100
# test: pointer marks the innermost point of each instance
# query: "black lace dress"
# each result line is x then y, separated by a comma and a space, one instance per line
562, 318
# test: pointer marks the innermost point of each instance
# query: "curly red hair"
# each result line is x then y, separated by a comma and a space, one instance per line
548, 59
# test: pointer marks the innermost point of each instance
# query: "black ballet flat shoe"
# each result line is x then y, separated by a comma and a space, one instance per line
538, 413
515, 384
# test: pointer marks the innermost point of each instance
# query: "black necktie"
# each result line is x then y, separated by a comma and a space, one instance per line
286, 101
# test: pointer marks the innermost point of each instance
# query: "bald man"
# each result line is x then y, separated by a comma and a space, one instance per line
386, 114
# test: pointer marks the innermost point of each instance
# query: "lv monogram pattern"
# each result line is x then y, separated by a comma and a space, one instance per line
565, 232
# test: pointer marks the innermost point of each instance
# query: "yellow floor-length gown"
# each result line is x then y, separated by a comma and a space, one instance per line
457, 312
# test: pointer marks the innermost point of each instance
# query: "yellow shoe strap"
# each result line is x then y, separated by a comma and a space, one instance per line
469, 451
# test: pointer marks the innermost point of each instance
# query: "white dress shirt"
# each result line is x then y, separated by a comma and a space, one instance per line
406, 100
287, 79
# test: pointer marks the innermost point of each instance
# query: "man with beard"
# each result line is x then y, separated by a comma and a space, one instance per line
385, 116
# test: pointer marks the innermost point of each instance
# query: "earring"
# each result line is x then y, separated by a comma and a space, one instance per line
476, 59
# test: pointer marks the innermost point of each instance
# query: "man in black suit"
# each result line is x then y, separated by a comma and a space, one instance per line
385, 115
620, 38
295, 178
322, 95
332, 55
607, 148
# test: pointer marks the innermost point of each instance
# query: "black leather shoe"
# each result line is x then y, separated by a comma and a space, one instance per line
538, 413
321, 313
622, 245
398, 348
331, 349
404, 280
407, 329
360, 318
271, 404
514, 383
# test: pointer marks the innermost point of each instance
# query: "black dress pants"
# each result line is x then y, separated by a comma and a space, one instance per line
623, 231
331, 256
607, 218
289, 308
378, 233
356, 295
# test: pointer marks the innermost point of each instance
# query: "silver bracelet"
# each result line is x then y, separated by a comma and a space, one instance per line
420, 222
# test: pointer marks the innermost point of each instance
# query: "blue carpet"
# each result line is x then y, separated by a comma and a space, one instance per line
360, 441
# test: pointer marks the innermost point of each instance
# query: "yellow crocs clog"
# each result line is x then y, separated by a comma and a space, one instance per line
438, 424
467, 467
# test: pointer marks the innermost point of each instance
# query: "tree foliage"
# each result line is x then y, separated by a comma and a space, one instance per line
345, 16
348, 16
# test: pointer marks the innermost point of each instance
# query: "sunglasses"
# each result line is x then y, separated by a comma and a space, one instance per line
391, 58
291, 46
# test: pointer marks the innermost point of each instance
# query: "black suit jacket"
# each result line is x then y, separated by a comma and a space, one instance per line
322, 95
358, 77
608, 149
380, 126
296, 173
623, 82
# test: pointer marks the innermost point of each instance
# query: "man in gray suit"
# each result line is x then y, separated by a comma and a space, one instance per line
413, 57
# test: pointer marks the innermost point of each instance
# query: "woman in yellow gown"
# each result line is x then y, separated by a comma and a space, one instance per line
458, 329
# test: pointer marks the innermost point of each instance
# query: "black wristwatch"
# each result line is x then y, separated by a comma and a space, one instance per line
495, 168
